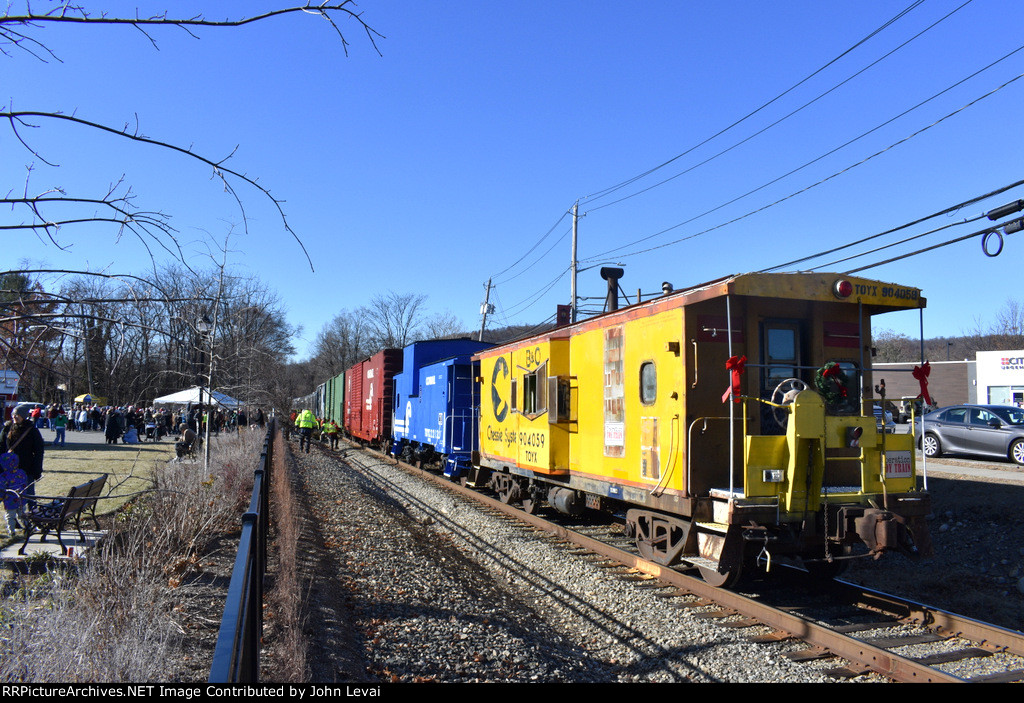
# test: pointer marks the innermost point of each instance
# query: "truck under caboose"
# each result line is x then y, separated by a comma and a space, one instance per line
730, 424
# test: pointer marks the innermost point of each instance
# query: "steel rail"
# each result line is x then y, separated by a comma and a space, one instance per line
941, 621
876, 659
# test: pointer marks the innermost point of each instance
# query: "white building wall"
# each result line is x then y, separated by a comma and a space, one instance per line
1001, 377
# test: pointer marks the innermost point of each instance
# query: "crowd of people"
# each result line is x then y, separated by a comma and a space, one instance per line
22, 444
131, 424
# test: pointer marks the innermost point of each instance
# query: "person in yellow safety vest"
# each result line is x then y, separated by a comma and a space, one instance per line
306, 422
331, 429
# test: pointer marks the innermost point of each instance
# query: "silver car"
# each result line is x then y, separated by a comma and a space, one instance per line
983, 430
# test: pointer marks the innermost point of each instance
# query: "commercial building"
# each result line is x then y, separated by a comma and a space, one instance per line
1001, 377
949, 383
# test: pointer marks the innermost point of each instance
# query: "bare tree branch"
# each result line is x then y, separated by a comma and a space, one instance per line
325, 10
219, 169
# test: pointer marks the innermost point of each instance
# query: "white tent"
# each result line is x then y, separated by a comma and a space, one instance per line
192, 395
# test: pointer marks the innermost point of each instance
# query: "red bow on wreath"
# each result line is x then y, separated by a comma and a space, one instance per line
921, 374
832, 371
734, 364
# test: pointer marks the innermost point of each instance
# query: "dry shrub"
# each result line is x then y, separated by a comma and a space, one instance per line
111, 618
285, 599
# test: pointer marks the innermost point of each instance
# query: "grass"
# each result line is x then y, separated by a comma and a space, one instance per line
113, 617
78, 461
130, 467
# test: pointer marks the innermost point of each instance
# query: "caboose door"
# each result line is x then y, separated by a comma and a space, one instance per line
781, 346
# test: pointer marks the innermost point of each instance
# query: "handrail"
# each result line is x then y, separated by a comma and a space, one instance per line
236, 655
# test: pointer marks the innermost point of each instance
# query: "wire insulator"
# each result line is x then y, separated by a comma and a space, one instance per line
1008, 209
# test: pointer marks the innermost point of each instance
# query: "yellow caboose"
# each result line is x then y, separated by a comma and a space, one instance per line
729, 423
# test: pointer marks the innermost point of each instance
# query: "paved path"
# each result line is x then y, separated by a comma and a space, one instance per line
1002, 472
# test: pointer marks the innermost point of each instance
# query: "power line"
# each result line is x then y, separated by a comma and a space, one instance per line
611, 189
532, 299
946, 211
530, 250
539, 258
805, 165
751, 114
980, 233
781, 119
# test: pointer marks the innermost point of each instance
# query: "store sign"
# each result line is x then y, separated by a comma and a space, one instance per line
1011, 363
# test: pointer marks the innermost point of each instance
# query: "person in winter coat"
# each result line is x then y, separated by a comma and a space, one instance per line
306, 423
114, 426
21, 437
13, 483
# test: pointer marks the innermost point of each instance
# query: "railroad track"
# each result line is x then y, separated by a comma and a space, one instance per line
870, 631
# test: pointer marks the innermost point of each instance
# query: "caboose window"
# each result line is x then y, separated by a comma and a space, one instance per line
530, 393
648, 383
535, 391
781, 352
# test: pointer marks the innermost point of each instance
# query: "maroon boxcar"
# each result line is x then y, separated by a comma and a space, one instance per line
368, 396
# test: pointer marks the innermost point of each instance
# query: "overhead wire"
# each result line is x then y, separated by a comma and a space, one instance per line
531, 249
979, 233
783, 118
805, 165
945, 211
897, 243
532, 299
611, 189
826, 65
539, 258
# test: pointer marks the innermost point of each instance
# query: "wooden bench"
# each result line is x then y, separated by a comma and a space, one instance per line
43, 517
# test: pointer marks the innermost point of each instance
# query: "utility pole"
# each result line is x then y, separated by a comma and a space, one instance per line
572, 265
484, 309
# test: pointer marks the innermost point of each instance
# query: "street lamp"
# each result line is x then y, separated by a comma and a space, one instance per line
206, 328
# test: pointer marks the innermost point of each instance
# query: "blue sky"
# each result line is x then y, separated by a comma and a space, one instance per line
441, 162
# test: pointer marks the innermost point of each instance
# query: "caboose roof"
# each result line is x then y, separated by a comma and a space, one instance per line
875, 296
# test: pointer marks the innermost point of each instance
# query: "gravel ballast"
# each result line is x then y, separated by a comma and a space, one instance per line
430, 588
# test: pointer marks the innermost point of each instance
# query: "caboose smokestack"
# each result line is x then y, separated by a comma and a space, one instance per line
612, 275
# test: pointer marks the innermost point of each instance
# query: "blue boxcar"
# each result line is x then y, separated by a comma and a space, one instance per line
435, 417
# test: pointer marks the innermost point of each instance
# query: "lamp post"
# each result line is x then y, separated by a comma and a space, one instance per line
206, 328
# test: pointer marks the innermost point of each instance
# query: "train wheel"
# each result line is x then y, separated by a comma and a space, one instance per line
658, 538
715, 578
529, 505
722, 556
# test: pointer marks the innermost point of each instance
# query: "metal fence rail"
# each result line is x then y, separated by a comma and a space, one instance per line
236, 656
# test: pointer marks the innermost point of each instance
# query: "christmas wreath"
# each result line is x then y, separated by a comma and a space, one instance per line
830, 381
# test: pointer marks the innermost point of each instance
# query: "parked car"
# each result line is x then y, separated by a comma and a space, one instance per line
884, 421
981, 430
904, 409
